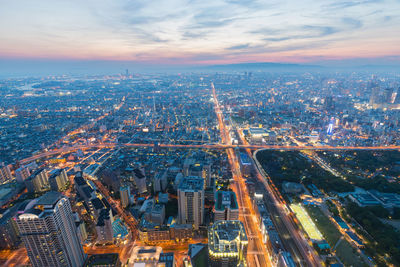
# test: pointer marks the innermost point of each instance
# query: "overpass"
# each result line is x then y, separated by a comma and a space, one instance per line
201, 146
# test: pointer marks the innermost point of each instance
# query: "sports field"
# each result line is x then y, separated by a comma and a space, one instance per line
305, 220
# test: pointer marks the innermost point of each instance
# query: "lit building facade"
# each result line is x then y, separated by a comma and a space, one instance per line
47, 229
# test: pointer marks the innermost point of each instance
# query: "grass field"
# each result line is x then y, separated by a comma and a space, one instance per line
344, 250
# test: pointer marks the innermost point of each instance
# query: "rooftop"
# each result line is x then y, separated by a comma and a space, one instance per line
191, 183
49, 199
102, 259
225, 199
226, 237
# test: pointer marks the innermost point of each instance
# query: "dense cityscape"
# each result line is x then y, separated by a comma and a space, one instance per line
239, 168
213, 133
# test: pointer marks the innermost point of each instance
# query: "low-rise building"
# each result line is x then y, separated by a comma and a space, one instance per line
147, 255
226, 206
103, 260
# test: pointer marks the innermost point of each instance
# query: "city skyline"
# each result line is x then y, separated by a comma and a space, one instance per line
190, 33
183, 133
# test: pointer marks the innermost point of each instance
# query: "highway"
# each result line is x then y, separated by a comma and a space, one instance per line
257, 254
293, 240
199, 146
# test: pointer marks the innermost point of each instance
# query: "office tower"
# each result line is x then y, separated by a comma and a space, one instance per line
226, 206
140, 180
5, 173
227, 244
58, 180
21, 174
104, 227
38, 181
191, 201
48, 231
125, 194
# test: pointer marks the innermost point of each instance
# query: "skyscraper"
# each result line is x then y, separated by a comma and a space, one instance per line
191, 201
48, 231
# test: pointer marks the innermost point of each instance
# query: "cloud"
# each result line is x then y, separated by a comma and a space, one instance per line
238, 47
307, 32
348, 4
212, 29
354, 23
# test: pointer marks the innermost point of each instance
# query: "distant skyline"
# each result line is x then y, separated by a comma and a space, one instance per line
178, 32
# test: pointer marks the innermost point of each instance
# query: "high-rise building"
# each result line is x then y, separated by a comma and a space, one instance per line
37, 181
226, 206
125, 194
21, 174
58, 180
9, 237
206, 174
227, 244
48, 231
191, 201
140, 180
5, 173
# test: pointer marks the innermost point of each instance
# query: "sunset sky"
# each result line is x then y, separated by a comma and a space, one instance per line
200, 32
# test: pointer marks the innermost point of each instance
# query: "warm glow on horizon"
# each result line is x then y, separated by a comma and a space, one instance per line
206, 32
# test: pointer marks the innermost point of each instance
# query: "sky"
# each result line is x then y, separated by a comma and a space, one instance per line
179, 32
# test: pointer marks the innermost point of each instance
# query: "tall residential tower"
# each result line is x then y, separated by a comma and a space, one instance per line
48, 231
191, 201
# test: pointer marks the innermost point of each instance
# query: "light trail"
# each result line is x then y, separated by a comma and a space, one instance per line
261, 256
199, 146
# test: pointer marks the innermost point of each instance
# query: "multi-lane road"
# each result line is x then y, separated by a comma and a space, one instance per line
257, 254
69, 149
293, 239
